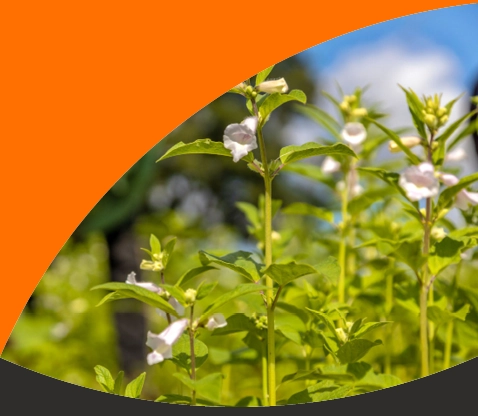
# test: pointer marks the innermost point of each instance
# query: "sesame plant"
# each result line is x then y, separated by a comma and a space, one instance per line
384, 258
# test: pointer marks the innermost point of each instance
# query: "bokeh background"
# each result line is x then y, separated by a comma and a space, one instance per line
62, 334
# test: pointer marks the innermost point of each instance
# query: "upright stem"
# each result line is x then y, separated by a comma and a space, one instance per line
265, 397
388, 310
448, 344
423, 330
343, 247
193, 358
431, 333
271, 356
168, 316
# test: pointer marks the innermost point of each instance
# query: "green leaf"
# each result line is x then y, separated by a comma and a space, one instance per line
177, 293
208, 387
325, 390
286, 273
470, 129
322, 118
154, 244
202, 147
251, 212
415, 107
326, 320
453, 127
135, 387
301, 208
118, 382
168, 249
179, 399
105, 379
191, 274
237, 322
413, 158
125, 291
355, 349
443, 253
447, 196
239, 262
440, 316
182, 352
262, 76
329, 268
369, 326
275, 100
240, 290
291, 154
249, 401
205, 289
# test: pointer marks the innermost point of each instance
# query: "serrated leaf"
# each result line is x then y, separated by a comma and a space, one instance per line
135, 387
275, 100
191, 274
329, 268
286, 273
444, 253
355, 349
202, 147
204, 289
240, 290
301, 208
126, 291
239, 262
182, 352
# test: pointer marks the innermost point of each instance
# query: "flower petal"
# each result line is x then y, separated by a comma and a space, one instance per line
354, 133
172, 333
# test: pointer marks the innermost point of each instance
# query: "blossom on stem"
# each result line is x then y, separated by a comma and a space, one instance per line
131, 279
270, 87
354, 133
419, 182
162, 343
330, 165
216, 320
241, 139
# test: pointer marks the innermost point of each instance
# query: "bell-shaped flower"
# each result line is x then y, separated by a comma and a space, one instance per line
131, 279
162, 343
463, 198
177, 307
217, 320
419, 182
354, 133
330, 165
241, 139
272, 86
456, 155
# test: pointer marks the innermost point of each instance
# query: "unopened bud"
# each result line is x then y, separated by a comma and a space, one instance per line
431, 121
409, 142
190, 295
341, 334
442, 111
270, 87
360, 112
438, 233
344, 106
443, 120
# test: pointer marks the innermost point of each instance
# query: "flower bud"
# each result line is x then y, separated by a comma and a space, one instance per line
344, 106
442, 111
275, 236
438, 233
431, 121
409, 141
270, 87
341, 334
350, 98
190, 295
443, 120
360, 112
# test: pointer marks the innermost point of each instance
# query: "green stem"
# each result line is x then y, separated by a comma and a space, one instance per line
343, 248
448, 345
271, 358
423, 330
193, 358
431, 333
265, 398
388, 310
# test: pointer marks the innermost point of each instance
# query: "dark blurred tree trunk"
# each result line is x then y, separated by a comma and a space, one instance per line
130, 326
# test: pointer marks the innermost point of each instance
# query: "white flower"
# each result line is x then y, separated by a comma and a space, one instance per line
162, 344
419, 182
240, 139
341, 334
131, 279
330, 165
217, 320
464, 198
270, 87
354, 133
177, 307
409, 142
456, 155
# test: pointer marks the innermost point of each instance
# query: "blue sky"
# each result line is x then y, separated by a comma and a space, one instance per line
454, 29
